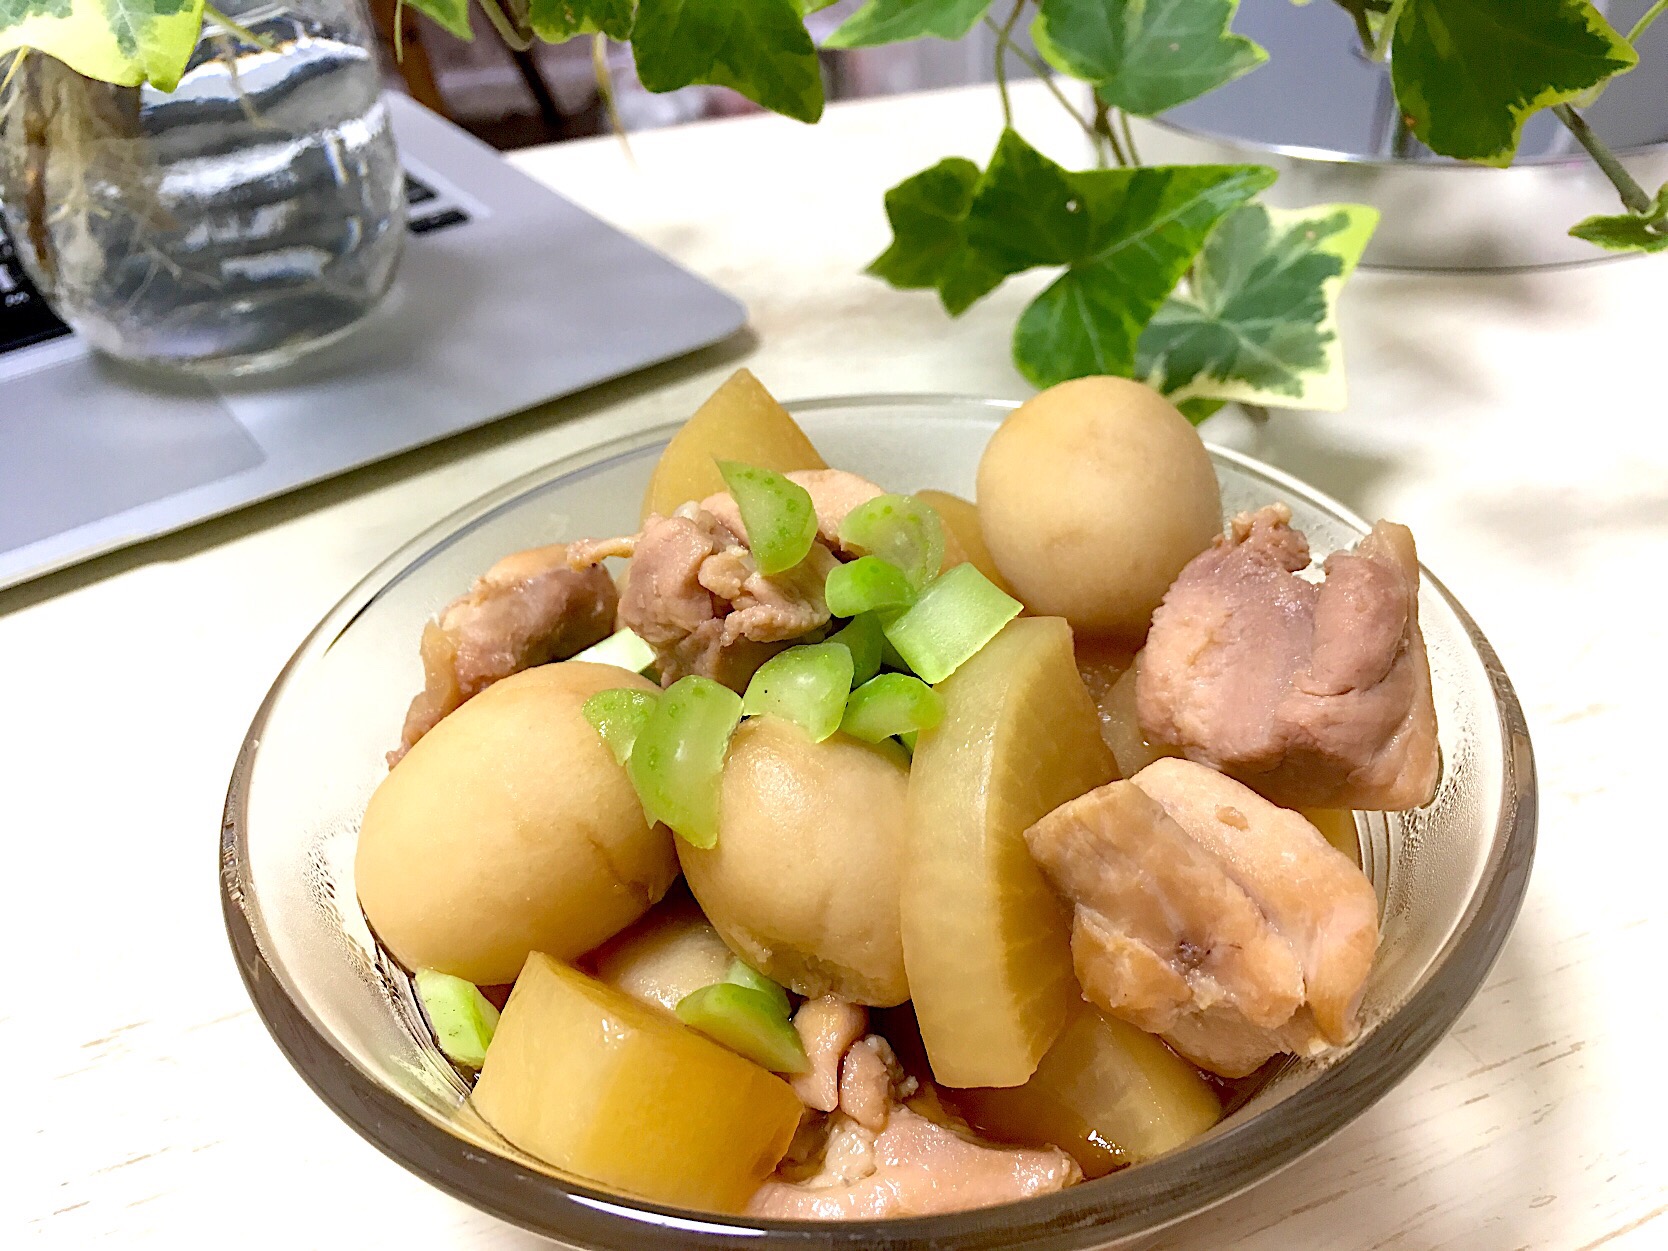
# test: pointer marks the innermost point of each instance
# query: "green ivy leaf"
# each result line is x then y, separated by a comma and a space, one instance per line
126, 42
808, 7
451, 15
758, 47
556, 21
1126, 236
1145, 56
1628, 232
1259, 323
1469, 73
892, 21
929, 249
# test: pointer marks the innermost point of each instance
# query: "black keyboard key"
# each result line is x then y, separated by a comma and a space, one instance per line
24, 316
417, 192
437, 221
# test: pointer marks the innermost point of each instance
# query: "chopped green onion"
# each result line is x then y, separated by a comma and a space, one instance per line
900, 529
619, 717
956, 615
747, 1022
780, 518
807, 685
743, 974
863, 639
462, 1019
622, 649
908, 740
893, 703
678, 761
867, 584
889, 658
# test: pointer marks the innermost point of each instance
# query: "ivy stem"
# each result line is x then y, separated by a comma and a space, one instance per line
1004, 41
1046, 77
11, 73
1387, 32
605, 89
517, 41
1632, 194
242, 32
1103, 128
1644, 23
1129, 137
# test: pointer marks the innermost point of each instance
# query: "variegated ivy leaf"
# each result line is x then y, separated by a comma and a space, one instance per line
451, 15
1125, 236
1629, 232
892, 21
757, 47
1145, 56
126, 42
1469, 73
556, 21
1258, 324
928, 214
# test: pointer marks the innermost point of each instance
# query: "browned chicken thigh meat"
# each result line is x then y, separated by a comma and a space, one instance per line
872, 1156
1316, 695
528, 609
696, 596
1204, 913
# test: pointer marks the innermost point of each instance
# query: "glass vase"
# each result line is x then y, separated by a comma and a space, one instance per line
233, 225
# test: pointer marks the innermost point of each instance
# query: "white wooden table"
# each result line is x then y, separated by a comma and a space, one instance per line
1517, 422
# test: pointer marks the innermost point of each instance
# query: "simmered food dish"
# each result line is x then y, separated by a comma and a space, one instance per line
836, 853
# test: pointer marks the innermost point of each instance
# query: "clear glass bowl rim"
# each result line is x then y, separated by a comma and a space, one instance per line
1114, 1209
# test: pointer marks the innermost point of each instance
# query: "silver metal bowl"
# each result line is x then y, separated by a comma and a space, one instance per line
1324, 116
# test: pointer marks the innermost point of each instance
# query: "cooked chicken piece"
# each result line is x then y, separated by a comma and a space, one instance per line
694, 594
1316, 695
528, 609
912, 1168
1160, 931
827, 1027
872, 1082
1316, 897
770, 609
1204, 913
827, 1151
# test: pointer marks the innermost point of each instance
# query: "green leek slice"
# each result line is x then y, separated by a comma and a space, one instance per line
678, 760
899, 529
462, 1019
807, 685
863, 639
867, 584
743, 974
780, 518
619, 717
893, 703
955, 616
748, 1022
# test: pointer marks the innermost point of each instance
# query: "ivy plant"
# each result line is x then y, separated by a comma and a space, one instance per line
1175, 274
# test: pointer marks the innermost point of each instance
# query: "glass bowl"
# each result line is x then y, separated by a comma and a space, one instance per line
1450, 877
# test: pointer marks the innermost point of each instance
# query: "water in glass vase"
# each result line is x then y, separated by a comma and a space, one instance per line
232, 225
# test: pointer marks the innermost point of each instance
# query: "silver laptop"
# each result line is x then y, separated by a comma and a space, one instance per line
94, 456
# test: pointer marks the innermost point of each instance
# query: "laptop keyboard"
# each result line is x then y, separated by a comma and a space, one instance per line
24, 317
26, 320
